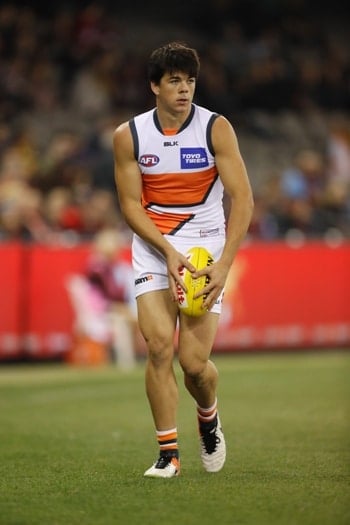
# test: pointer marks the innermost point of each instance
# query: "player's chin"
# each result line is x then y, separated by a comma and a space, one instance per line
182, 106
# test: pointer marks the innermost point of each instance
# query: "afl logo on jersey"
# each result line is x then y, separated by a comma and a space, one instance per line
148, 160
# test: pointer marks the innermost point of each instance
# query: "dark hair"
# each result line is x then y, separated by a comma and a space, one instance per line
171, 58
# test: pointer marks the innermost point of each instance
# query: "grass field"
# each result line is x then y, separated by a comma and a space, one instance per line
74, 444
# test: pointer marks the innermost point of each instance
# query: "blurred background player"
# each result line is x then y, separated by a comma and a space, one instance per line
103, 300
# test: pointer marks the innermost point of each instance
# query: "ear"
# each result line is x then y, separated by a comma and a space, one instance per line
155, 88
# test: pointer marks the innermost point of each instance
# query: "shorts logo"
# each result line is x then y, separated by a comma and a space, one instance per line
209, 233
148, 160
144, 279
193, 158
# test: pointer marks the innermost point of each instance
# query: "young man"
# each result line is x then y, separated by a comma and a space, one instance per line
172, 165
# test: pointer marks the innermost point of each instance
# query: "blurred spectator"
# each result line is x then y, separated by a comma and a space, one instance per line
302, 189
98, 212
60, 211
336, 202
338, 150
267, 210
305, 180
19, 212
93, 86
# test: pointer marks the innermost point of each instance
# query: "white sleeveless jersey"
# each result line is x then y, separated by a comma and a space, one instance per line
182, 192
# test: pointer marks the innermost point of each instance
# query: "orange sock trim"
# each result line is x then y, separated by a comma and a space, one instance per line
167, 439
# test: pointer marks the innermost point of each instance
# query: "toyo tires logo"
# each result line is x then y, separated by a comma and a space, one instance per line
193, 158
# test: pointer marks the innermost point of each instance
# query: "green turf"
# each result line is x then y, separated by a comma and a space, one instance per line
74, 444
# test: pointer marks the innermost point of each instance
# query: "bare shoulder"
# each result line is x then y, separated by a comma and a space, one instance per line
121, 131
223, 133
222, 125
122, 138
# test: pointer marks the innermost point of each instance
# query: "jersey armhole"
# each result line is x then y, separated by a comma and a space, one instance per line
209, 128
135, 138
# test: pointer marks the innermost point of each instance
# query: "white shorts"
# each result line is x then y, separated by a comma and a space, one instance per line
150, 270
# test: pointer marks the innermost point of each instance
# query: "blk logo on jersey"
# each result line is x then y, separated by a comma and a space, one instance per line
148, 160
193, 158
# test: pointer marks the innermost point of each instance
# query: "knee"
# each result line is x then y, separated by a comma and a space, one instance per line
193, 368
160, 348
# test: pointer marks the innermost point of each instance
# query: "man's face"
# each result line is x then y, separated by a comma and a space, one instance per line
175, 91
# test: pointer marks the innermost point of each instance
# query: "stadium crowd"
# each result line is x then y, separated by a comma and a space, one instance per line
70, 74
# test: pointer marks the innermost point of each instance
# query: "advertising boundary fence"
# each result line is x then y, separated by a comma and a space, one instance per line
277, 296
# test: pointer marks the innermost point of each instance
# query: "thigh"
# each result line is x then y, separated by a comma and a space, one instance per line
157, 316
196, 337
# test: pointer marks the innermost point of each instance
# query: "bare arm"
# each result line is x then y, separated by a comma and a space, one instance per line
129, 184
233, 174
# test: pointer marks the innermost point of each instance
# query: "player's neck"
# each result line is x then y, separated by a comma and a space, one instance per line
171, 120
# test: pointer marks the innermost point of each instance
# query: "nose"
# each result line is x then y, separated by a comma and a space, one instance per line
183, 86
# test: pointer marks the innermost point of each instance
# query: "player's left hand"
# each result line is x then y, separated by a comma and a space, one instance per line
217, 274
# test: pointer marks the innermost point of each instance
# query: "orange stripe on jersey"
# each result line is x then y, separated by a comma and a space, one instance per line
169, 223
178, 189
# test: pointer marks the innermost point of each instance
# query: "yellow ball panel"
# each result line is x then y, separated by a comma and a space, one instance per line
200, 258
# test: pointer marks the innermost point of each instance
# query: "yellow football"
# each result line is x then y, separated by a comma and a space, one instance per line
200, 258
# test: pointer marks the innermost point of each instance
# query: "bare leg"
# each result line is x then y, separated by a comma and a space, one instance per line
195, 343
157, 318
201, 378
203, 387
